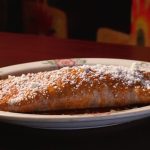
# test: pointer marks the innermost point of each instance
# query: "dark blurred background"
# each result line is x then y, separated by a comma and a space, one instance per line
84, 16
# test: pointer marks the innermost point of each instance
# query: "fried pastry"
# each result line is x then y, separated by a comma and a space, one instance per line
77, 87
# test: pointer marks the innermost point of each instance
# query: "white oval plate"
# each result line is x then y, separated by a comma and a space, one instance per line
69, 122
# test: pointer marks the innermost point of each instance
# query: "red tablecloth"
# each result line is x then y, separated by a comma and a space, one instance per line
16, 48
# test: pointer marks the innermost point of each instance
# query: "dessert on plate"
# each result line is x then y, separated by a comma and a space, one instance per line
75, 88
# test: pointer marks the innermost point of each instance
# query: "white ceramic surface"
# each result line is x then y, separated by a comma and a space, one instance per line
69, 122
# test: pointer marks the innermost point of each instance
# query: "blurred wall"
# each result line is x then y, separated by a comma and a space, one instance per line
84, 16
14, 23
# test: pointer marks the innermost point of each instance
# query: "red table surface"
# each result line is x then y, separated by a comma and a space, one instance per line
17, 48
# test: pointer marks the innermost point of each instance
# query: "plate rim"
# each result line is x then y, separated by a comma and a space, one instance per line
40, 61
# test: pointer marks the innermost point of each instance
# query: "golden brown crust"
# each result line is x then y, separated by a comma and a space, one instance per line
77, 87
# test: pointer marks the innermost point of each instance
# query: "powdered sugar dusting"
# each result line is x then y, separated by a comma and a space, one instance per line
29, 85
